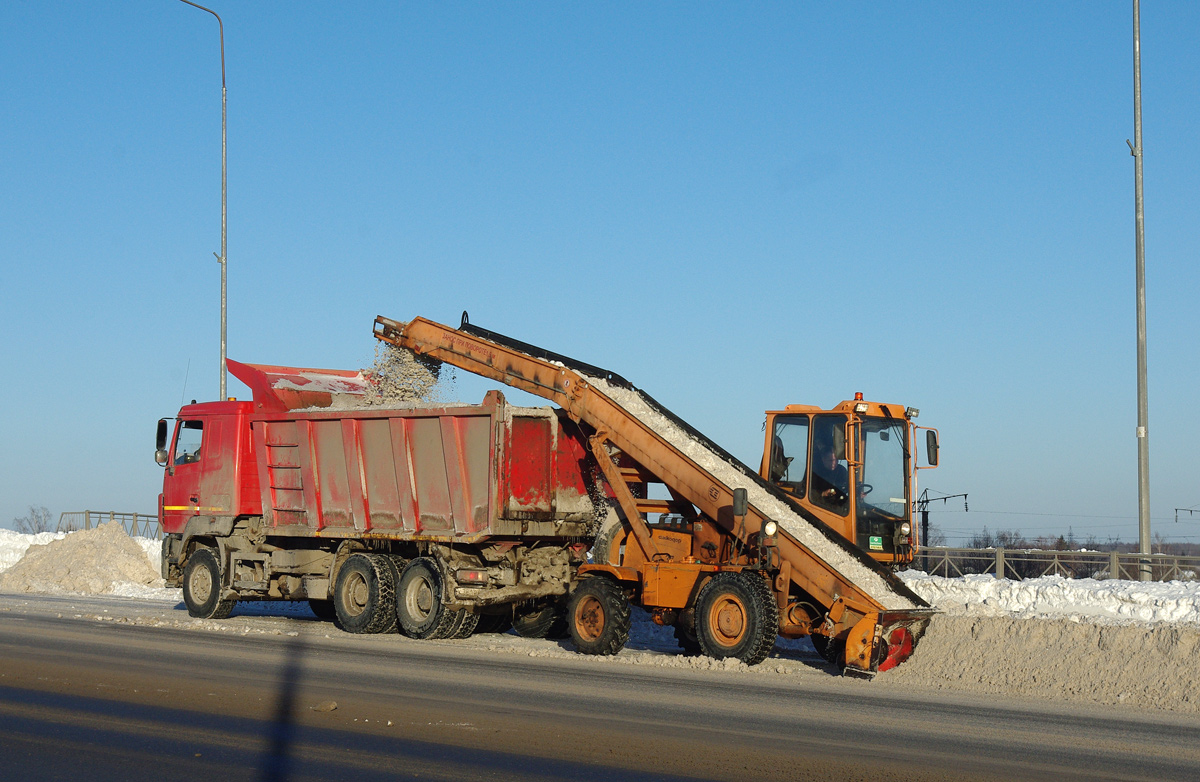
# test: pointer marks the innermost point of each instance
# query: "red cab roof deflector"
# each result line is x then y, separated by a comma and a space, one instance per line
278, 389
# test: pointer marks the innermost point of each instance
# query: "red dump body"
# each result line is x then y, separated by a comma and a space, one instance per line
460, 473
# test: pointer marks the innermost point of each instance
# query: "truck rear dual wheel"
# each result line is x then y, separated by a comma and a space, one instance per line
421, 608
364, 595
202, 586
599, 617
736, 616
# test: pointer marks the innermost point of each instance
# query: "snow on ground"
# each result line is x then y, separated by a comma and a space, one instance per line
1112, 601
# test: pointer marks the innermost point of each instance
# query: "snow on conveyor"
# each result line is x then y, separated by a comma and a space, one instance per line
790, 521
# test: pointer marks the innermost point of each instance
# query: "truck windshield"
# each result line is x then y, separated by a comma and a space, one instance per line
885, 468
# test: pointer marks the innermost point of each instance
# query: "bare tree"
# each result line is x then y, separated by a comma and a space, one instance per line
37, 521
936, 536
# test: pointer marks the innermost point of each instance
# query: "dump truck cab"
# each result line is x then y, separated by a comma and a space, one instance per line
853, 467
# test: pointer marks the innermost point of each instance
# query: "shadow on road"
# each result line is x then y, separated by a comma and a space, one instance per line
281, 734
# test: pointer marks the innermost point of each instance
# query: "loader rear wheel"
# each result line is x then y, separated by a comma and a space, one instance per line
363, 597
421, 603
687, 641
832, 649
541, 620
736, 616
599, 617
202, 586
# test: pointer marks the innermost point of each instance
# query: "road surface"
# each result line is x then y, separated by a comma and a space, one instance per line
106, 689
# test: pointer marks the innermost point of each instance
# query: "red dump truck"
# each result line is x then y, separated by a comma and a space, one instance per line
436, 518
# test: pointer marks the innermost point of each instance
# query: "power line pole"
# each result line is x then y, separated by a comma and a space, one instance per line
1143, 424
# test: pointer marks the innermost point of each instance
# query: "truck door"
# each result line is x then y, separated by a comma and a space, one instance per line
181, 488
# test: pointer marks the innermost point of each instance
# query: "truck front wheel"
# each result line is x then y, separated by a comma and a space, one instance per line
364, 595
202, 586
598, 616
736, 616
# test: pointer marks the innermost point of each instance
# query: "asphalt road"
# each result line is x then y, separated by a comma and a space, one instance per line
99, 699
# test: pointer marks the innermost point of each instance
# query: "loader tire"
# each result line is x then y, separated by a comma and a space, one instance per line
599, 617
541, 620
687, 641
364, 595
202, 586
421, 603
736, 616
832, 649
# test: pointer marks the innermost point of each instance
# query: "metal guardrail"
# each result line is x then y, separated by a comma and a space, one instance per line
140, 525
1031, 563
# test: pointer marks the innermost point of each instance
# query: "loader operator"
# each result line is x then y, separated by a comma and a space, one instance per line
831, 479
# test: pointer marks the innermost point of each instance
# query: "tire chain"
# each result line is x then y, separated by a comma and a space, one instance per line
383, 619
765, 607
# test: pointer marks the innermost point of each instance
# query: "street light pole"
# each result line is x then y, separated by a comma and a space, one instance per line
1143, 435
222, 258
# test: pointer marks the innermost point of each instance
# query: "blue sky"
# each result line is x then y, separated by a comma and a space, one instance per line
737, 207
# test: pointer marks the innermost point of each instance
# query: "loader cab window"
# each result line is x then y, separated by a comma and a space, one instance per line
830, 486
187, 442
789, 453
885, 456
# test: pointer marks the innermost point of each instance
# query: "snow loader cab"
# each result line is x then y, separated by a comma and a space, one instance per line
854, 467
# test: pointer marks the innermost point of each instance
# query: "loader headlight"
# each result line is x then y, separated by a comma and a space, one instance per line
905, 528
770, 528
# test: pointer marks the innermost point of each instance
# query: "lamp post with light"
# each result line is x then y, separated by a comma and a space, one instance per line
222, 258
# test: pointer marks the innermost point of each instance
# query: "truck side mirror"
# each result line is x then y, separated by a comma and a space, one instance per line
160, 443
741, 502
931, 447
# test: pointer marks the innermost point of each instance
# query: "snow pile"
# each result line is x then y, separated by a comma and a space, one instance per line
1084, 599
104, 560
795, 525
13, 545
1152, 667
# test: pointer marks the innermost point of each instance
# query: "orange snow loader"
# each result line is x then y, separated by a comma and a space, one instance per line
727, 557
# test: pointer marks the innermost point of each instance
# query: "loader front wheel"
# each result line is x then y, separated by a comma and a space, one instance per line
363, 596
599, 617
736, 616
202, 586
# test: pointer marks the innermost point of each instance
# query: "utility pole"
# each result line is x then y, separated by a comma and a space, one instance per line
1143, 424
222, 258
923, 507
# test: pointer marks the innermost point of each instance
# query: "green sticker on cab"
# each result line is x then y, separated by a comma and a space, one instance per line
876, 543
